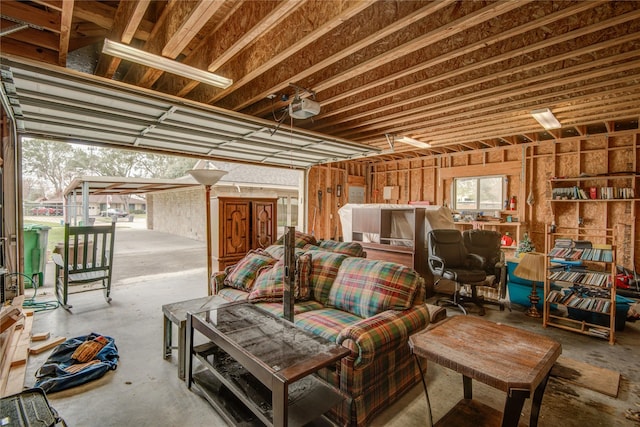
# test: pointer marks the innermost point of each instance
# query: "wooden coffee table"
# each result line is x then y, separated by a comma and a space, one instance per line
515, 361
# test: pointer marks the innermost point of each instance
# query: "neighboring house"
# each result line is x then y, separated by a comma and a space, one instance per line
131, 203
98, 203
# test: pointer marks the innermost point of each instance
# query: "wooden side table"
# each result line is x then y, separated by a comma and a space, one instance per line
177, 313
513, 360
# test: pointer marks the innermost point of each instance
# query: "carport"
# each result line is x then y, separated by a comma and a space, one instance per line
85, 186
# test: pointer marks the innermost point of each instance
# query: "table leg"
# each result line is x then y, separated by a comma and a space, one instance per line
537, 402
181, 348
513, 407
166, 341
467, 386
189, 350
280, 400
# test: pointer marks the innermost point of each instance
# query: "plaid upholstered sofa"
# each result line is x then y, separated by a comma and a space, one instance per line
370, 307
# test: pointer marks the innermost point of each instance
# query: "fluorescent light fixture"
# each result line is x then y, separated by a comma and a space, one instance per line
545, 117
158, 62
413, 142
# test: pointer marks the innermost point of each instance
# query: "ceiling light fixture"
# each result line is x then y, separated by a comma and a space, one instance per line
158, 62
414, 142
545, 117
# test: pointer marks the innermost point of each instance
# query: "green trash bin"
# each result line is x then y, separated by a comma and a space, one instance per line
35, 253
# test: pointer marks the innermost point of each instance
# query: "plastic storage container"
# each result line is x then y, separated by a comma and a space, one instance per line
520, 289
622, 309
35, 253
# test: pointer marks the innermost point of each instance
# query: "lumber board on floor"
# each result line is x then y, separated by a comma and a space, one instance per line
13, 339
37, 349
21, 353
14, 367
41, 336
585, 375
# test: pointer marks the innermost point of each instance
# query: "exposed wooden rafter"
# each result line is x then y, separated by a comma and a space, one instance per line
461, 75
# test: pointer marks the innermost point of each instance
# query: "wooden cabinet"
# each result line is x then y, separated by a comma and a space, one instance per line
242, 224
581, 277
392, 234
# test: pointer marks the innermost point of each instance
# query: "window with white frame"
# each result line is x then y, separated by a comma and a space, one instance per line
479, 193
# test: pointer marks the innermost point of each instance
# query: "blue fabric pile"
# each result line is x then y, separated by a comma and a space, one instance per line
58, 374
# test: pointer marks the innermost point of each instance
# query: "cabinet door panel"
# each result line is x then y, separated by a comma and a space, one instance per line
235, 229
264, 224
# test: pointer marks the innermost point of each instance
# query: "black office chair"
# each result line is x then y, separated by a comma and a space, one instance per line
486, 244
448, 259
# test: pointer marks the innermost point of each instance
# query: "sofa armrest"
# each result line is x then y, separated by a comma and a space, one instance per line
382, 333
217, 281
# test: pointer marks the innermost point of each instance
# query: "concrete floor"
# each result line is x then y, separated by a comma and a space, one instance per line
152, 269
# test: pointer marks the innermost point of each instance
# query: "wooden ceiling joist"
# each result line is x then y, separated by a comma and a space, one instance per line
461, 75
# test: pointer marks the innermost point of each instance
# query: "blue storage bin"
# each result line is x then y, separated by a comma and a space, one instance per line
520, 289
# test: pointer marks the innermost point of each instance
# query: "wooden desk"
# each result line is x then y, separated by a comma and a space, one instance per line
513, 360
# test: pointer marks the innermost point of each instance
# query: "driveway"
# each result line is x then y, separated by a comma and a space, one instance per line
140, 252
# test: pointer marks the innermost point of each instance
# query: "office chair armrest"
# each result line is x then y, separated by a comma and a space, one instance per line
475, 260
436, 264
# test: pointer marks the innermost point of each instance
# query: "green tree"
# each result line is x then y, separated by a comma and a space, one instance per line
112, 162
49, 161
57, 163
160, 166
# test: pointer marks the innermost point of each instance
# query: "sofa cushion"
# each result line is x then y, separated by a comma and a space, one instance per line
233, 294
326, 322
244, 273
350, 248
269, 285
277, 251
324, 269
301, 240
367, 287
276, 308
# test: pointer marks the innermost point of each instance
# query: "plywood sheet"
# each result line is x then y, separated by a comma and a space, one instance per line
582, 374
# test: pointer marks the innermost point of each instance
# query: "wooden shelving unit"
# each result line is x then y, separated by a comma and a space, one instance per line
589, 293
586, 199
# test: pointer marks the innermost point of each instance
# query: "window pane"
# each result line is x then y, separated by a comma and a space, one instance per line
491, 193
466, 191
294, 211
282, 211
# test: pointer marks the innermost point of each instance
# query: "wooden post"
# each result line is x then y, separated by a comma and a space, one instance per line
289, 273
209, 246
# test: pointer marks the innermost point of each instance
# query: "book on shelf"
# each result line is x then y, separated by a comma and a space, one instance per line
574, 300
591, 278
593, 193
574, 250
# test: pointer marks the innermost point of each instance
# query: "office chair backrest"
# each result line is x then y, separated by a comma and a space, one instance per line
485, 243
448, 245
